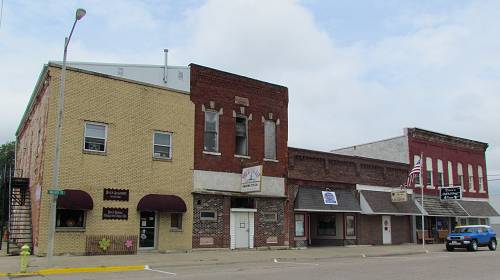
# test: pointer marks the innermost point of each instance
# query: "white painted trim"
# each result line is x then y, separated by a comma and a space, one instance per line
170, 146
243, 210
242, 156
271, 160
212, 153
475, 199
327, 211
365, 206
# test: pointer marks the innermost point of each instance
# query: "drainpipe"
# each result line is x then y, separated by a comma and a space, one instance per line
165, 67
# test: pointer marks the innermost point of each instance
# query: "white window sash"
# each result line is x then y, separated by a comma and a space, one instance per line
105, 136
161, 145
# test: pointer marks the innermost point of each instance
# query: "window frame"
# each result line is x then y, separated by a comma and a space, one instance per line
206, 218
239, 116
170, 134
275, 140
460, 175
303, 224
179, 221
274, 219
418, 179
470, 175
429, 169
450, 173
440, 171
62, 228
216, 131
105, 125
480, 176
345, 225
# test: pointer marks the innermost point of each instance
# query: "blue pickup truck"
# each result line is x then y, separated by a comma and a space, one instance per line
472, 237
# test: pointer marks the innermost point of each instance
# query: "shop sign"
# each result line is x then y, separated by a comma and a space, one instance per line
109, 213
251, 179
115, 194
399, 196
329, 198
56, 192
454, 192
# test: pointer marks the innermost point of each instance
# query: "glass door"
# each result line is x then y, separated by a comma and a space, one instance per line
147, 230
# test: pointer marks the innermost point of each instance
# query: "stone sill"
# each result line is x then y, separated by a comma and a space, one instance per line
162, 159
87, 152
212, 153
242, 156
271, 160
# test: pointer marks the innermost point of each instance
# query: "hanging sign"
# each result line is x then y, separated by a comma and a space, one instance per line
115, 194
251, 179
329, 198
399, 196
454, 193
114, 213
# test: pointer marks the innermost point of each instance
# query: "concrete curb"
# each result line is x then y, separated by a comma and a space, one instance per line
72, 270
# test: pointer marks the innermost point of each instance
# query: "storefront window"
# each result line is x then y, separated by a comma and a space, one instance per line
327, 226
299, 224
350, 225
66, 218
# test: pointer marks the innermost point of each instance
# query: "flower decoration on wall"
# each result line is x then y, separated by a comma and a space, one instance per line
129, 243
104, 244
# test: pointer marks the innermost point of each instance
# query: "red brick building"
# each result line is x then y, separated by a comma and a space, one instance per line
364, 212
447, 161
239, 122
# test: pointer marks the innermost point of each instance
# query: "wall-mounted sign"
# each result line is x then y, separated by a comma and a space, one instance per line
114, 213
115, 194
329, 198
251, 179
241, 101
454, 192
399, 196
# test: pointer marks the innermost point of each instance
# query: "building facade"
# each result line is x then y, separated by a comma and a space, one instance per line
126, 161
239, 122
447, 161
363, 212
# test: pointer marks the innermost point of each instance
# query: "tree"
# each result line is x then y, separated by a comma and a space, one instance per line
7, 151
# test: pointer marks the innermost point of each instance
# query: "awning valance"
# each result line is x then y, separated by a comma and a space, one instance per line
310, 199
162, 202
379, 202
445, 208
478, 208
75, 200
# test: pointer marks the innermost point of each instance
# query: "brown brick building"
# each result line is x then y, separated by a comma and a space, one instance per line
239, 122
363, 212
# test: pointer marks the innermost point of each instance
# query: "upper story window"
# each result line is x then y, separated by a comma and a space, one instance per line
241, 131
471, 178
460, 174
428, 167
211, 142
450, 173
270, 139
440, 173
480, 178
416, 158
95, 137
162, 145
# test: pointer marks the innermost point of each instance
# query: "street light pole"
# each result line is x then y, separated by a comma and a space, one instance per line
80, 13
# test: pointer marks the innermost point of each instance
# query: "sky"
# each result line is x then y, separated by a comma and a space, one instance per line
357, 70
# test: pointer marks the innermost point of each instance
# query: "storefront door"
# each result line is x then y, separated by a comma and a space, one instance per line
386, 230
147, 230
242, 230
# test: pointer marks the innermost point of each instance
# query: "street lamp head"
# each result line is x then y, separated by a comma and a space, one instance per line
80, 13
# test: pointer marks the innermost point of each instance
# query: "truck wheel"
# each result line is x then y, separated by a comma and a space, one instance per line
473, 246
450, 248
492, 245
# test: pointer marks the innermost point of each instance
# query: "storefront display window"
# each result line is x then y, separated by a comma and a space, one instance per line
66, 218
327, 226
299, 224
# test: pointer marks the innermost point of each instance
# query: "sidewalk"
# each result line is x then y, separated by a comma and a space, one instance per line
197, 258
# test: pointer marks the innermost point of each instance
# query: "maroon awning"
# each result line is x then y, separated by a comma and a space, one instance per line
75, 200
162, 202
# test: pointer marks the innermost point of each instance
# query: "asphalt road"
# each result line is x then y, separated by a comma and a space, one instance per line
443, 266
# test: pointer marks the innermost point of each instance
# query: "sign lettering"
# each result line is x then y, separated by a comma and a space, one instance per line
454, 193
114, 213
115, 194
251, 179
399, 196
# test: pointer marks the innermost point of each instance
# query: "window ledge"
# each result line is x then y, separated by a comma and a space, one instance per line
175, 230
241, 156
162, 159
212, 153
472, 191
482, 191
61, 229
97, 153
430, 187
271, 160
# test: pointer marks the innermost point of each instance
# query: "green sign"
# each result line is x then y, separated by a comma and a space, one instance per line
56, 192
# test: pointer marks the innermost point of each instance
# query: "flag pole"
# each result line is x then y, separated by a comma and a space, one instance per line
422, 194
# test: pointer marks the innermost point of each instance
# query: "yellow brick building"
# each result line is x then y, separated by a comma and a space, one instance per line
147, 149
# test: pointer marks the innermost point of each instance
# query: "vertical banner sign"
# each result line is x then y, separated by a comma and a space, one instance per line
251, 179
329, 198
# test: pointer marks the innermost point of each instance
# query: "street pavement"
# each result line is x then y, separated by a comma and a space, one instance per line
437, 264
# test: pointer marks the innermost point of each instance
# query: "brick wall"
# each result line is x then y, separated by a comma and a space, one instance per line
214, 232
401, 229
133, 112
270, 233
369, 229
220, 89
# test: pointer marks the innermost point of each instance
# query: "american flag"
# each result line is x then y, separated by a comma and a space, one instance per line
413, 173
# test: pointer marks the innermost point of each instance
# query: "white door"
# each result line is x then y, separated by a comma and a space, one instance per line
386, 230
242, 229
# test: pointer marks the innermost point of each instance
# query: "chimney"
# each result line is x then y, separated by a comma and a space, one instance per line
166, 65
